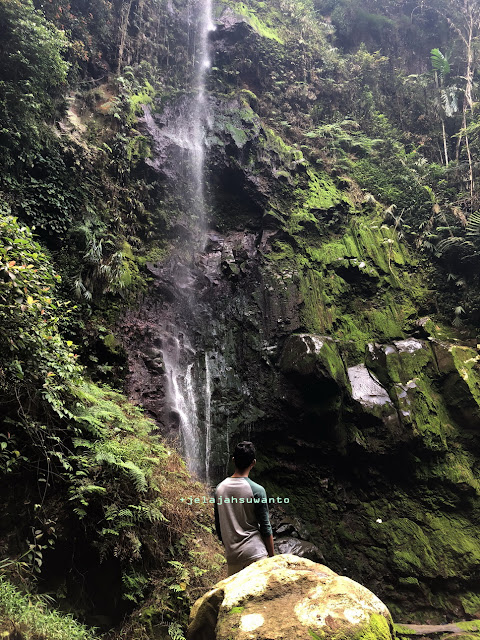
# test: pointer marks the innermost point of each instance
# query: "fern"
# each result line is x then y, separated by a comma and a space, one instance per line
109, 532
454, 241
102, 457
473, 224
136, 475
457, 321
125, 513
175, 631
93, 488
81, 442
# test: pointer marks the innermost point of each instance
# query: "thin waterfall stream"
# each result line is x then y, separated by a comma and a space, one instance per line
188, 388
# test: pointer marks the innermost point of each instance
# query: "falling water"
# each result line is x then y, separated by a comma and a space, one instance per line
181, 394
201, 119
208, 417
188, 134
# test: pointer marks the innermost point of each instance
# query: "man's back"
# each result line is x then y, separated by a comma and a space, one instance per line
241, 519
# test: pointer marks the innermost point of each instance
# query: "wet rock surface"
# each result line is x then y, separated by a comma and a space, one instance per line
307, 324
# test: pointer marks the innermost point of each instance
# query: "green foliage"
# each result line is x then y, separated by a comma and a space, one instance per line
260, 27
32, 617
440, 63
342, 138
135, 585
34, 355
33, 74
175, 631
466, 247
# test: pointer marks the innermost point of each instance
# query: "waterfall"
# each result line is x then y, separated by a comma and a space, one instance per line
183, 137
201, 118
208, 417
177, 355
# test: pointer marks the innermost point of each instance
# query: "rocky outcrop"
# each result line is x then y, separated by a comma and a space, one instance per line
289, 598
311, 331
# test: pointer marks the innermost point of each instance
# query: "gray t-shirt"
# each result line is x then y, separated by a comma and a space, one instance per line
241, 519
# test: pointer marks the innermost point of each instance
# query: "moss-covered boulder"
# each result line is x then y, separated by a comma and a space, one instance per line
308, 354
289, 597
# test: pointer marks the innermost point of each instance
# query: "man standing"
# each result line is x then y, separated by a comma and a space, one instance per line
241, 514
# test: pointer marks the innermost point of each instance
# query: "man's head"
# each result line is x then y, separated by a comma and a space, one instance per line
244, 455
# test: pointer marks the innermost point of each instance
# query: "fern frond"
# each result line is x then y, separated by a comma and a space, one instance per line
448, 243
175, 631
81, 442
473, 224
105, 456
125, 513
136, 475
93, 488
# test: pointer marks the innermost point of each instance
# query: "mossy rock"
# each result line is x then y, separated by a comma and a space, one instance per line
289, 597
312, 355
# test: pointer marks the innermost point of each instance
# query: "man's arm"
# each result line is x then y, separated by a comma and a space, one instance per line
217, 519
269, 544
261, 513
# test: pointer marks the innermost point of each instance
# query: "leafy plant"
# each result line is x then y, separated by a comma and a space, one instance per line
34, 72
30, 613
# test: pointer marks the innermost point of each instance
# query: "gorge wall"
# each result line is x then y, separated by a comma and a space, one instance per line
314, 333
265, 230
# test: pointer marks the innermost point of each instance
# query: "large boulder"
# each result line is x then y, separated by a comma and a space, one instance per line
289, 598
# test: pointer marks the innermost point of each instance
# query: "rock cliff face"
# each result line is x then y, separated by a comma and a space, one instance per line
311, 331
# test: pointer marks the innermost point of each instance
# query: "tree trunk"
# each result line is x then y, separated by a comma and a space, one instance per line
445, 149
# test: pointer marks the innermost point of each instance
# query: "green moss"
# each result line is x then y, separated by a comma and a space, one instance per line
354, 335
157, 253
432, 546
249, 99
136, 100
289, 156
470, 625
402, 630
304, 354
423, 408
317, 313
403, 365
409, 582
457, 467
471, 605
467, 362
256, 23
239, 135
111, 343
236, 610
388, 322
393, 183
322, 192
378, 628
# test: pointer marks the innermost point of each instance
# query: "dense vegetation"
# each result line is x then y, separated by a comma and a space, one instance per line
383, 98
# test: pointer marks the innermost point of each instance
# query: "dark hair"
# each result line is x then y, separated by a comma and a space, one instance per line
244, 455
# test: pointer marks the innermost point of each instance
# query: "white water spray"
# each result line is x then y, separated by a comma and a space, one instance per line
188, 132
201, 118
181, 395
208, 417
